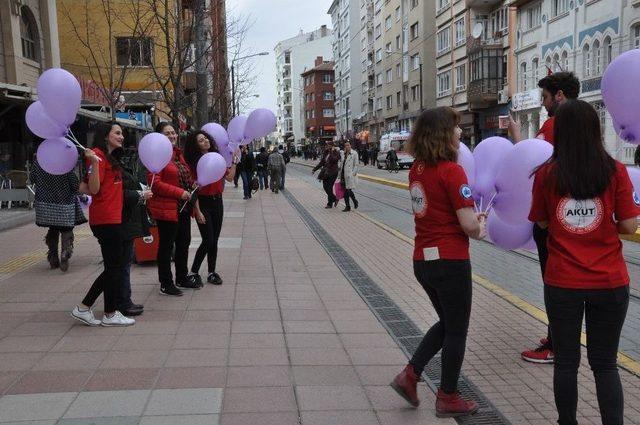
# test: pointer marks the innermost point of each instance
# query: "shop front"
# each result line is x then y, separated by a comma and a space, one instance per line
493, 122
528, 110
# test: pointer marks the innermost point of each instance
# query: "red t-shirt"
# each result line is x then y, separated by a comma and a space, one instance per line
106, 205
547, 130
436, 194
215, 188
585, 251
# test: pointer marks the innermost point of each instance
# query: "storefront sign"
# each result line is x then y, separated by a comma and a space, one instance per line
92, 92
526, 100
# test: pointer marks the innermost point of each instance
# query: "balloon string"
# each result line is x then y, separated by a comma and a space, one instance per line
191, 194
490, 204
153, 177
72, 137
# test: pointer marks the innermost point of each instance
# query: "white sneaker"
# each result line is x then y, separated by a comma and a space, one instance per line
85, 317
117, 320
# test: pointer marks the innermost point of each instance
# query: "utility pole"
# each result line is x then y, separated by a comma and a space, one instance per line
421, 106
233, 92
202, 85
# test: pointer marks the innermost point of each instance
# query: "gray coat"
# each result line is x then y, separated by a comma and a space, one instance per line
350, 166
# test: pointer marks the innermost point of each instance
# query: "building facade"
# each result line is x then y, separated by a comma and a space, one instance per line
578, 36
319, 116
294, 56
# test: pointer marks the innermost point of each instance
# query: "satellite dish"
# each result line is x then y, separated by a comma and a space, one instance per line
478, 28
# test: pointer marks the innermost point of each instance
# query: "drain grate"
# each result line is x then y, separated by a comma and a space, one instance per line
401, 328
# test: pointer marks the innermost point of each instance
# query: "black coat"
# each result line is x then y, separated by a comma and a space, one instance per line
135, 220
247, 162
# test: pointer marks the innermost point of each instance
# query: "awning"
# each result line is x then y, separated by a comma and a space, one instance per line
329, 127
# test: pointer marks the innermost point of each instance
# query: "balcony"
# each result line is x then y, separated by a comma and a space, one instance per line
593, 84
478, 44
482, 4
483, 93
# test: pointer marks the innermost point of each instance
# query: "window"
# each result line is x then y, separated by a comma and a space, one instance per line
560, 7
29, 34
387, 48
635, 36
565, 61
461, 77
532, 17
460, 32
378, 103
415, 93
328, 113
398, 98
548, 65
414, 3
597, 58
132, 51
586, 61
378, 55
443, 41
327, 78
328, 95
442, 4
378, 79
398, 71
557, 66
387, 23
389, 75
389, 102
398, 16
398, 42
415, 31
444, 84
378, 31
523, 76
534, 72
415, 62
498, 23
606, 50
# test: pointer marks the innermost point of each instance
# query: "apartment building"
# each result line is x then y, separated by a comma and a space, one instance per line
345, 19
572, 35
294, 56
319, 99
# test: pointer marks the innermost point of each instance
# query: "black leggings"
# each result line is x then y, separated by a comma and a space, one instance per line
448, 285
348, 194
213, 211
327, 185
540, 238
604, 311
173, 233
110, 237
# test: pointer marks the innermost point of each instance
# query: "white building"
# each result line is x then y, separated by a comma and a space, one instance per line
581, 36
345, 18
293, 57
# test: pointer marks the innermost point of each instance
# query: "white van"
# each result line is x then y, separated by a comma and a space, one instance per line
397, 141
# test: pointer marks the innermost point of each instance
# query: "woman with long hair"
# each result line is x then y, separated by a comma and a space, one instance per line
104, 183
171, 209
444, 220
585, 198
209, 208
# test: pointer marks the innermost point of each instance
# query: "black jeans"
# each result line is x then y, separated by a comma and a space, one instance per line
124, 290
540, 236
178, 234
604, 311
110, 238
348, 193
213, 211
327, 185
448, 285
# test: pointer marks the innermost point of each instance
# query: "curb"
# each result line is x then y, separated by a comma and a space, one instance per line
17, 220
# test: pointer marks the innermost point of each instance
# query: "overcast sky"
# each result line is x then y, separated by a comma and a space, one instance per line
273, 21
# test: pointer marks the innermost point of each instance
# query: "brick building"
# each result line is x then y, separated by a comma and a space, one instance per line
319, 112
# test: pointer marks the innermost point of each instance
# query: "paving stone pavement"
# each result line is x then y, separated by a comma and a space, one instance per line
522, 391
285, 340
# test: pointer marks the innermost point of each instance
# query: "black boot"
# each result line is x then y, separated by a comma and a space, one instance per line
51, 239
67, 250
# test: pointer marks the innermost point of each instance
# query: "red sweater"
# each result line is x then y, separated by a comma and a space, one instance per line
167, 190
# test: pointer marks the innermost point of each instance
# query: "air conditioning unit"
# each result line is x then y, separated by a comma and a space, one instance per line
503, 96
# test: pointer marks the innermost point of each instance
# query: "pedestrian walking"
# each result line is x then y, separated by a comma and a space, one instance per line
444, 216
262, 161
276, 168
556, 89
349, 175
104, 183
171, 208
58, 209
328, 167
585, 199
246, 167
365, 156
209, 209
285, 155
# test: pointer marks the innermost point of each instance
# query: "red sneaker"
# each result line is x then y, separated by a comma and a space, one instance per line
543, 354
405, 384
544, 341
452, 405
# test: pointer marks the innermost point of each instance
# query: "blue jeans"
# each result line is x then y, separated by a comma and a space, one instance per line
246, 179
263, 178
284, 172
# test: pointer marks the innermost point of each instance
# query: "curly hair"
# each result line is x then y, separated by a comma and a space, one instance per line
432, 134
192, 152
565, 81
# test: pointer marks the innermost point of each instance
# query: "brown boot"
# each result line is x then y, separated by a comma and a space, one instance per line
452, 405
67, 250
405, 384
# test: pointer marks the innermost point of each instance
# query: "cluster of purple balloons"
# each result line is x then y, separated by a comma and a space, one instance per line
59, 97
500, 176
621, 93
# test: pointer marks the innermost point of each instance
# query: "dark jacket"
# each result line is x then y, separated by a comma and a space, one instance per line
262, 161
134, 214
247, 162
167, 192
329, 163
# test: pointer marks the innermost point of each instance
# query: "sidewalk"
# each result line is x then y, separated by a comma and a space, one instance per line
285, 340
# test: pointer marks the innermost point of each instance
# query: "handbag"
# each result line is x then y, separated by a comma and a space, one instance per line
338, 190
322, 174
255, 183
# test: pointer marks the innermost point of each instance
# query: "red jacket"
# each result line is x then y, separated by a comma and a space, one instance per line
167, 190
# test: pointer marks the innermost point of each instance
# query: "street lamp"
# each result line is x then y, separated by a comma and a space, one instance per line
253, 95
233, 81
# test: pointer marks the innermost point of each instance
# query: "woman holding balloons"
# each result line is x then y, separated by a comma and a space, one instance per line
585, 198
209, 207
445, 219
104, 183
171, 209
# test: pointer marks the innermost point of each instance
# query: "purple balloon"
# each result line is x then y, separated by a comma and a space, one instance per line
518, 164
236, 128
57, 155
227, 154
86, 204
211, 168
508, 236
60, 94
217, 133
630, 134
155, 151
634, 175
260, 123
530, 245
41, 124
513, 207
465, 159
621, 93
488, 155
